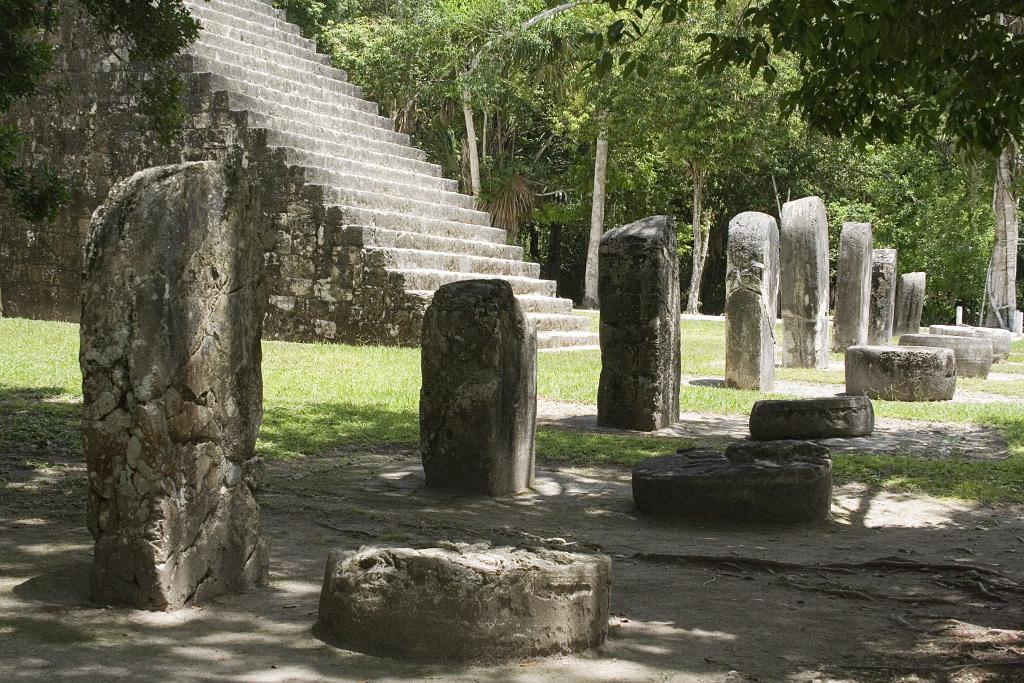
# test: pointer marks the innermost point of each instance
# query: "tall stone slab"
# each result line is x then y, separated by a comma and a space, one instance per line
750, 291
882, 309
910, 293
173, 305
478, 401
853, 286
638, 287
803, 251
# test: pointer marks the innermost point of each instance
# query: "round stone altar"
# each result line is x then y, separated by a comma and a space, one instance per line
973, 354
812, 418
1001, 340
465, 603
901, 373
760, 482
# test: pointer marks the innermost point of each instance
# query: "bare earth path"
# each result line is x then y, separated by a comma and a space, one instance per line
894, 588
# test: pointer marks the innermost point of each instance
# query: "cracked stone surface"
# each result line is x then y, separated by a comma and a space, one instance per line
804, 282
751, 281
638, 287
901, 373
882, 307
853, 286
910, 294
170, 355
478, 401
773, 481
460, 602
812, 418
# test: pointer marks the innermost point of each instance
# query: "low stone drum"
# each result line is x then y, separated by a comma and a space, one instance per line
751, 273
478, 401
803, 258
973, 354
771, 481
812, 418
910, 294
638, 287
901, 373
173, 303
463, 603
882, 309
853, 286
1001, 339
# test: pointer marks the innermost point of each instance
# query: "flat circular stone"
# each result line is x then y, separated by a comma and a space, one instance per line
973, 354
812, 418
773, 482
901, 373
465, 603
1001, 339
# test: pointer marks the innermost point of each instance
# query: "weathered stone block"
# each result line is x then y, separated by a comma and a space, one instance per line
478, 402
751, 274
883, 296
812, 418
803, 251
853, 286
910, 294
973, 354
638, 287
459, 603
172, 312
773, 481
901, 373
1001, 340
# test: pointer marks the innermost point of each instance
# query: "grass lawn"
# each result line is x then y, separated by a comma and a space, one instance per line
319, 398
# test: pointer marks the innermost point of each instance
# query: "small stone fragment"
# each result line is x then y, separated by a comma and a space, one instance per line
478, 401
771, 481
812, 418
803, 251
901, 373
973, 354
465, 603
910, 295
751, 274
638, 287
853, 286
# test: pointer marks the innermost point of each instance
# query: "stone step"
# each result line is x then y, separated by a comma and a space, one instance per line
384, 202
355, 133
380, 237
405, 222
552, 341
283, 66
546, 305
213, 18
418, 259
279, 90
337, 161
277, 21
345, 156
261, 10
318, 175
431, 280
560, 322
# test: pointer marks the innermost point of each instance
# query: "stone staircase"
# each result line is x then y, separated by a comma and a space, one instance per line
406, 218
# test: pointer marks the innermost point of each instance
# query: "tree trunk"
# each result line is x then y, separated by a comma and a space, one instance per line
700, 241
1002, 274
596, 219
474, 158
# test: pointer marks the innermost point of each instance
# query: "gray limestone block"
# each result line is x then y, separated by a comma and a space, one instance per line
465, 603
1001, 340
901, 373
478, 401
751, 274
172, 310
812, 418
753, 482
638, 287
804, 282
882, 310
973, 354
853, 286
910, 296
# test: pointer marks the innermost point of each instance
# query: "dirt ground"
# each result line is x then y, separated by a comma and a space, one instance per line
894, 588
